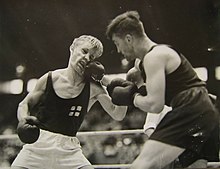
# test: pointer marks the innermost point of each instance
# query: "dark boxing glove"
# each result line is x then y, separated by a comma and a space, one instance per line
142, 90
27, 129
123, 95
94, 70
114, 83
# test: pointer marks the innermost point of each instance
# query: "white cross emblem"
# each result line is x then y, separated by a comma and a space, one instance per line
75, 111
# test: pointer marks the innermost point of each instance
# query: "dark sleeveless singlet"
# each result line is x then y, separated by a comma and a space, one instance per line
193, 121
60, 115
183, 78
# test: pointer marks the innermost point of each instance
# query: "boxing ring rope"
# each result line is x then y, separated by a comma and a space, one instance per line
98, 133
87, 133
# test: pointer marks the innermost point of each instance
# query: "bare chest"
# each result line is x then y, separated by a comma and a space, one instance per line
65, 89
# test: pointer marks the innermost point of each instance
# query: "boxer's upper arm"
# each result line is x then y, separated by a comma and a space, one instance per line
155, 72
154, 66
31, 98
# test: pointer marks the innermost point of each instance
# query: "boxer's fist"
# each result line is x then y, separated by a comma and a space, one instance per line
142, 90
94, 70
123, 95
134, 75
114, 83
27, 129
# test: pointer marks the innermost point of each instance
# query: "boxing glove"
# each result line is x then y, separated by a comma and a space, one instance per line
114, 83
95, 71
123, 95
134, 75
27, 129
142, 90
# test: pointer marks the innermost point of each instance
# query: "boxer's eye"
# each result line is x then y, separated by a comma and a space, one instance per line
84, 51
92, 57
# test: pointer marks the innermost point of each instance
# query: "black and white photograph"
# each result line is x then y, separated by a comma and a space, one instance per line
109, 84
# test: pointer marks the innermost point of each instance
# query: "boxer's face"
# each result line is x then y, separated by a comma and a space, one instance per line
81, 54
124, 46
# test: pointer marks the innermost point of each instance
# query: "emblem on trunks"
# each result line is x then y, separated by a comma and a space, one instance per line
75, 111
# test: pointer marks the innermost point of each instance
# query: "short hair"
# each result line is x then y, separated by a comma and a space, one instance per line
126, 23
95, 43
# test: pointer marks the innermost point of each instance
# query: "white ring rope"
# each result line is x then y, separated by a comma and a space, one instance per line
87, 133
210, 164
112, 166
126, 166
112, 132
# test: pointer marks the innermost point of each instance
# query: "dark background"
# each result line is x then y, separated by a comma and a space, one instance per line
37, 34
